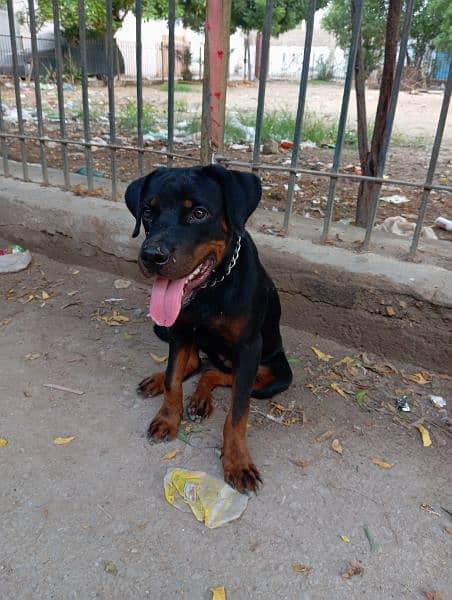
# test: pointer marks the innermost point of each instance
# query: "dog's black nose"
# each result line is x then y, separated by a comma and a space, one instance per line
158, 255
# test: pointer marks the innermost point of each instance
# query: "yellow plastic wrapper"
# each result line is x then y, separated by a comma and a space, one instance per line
212, 501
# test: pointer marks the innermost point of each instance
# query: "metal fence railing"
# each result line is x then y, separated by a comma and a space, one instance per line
30, 60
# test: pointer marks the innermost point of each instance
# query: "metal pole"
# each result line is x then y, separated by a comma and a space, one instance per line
262, 81
300, 110
433, 161
139, 63
85, 101
111, 97
20, 122
390, 120
3, 144
171, 69
59, 78
356, 26
36, 69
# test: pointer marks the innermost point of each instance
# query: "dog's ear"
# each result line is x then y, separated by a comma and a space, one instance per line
242, 193
134, 197
133, 201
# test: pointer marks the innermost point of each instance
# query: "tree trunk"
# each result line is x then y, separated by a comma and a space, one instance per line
367, 189
206, 121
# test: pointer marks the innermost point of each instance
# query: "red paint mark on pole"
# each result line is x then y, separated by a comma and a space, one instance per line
215, 29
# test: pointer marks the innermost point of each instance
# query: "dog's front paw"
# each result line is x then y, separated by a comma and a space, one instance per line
152, 385
201, 405
241, 475
164, 427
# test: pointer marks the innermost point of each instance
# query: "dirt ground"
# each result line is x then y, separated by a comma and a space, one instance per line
65, 511
416, 118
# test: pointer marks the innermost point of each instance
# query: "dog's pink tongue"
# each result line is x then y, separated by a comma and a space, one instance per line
166, 300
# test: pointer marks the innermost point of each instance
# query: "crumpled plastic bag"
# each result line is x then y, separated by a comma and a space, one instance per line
403, 227
211, 500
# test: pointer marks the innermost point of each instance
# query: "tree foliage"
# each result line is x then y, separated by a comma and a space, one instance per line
431, 28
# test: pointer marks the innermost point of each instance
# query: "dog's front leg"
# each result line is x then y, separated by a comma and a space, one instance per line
165, 424
239, 470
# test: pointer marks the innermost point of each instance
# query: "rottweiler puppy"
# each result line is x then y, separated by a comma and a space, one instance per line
210, 293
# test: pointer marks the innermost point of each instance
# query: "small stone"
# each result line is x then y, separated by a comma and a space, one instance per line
122, 284
390, 311
270, 147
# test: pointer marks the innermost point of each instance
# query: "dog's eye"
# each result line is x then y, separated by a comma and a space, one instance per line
198, 214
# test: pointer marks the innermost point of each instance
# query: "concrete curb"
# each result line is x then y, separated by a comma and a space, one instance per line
378, 303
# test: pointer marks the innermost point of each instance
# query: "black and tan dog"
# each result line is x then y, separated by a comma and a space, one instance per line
210, 293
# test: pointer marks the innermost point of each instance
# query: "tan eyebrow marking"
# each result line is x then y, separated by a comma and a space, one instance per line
154, 202
188, 203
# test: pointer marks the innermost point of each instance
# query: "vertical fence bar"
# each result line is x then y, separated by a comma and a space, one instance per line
59, 78
356, 26
262, 81
390, 120
300, 110
3, 144
111, 96
36, 73
171, 69
433, 161
85, 100
20, 123
139, 66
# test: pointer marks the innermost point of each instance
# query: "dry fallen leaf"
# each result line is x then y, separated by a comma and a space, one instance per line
448, 530
425, 436
324, 436
381, 463
218, 593
421, 378
433, 596
300, 463
353, 569
169, 455
302, 569
76, 272
45, 295
390, 311
3, 442
339, 390
32, 355
29, 299
116, 318
321, 355
336, 446
345, 539
158, 359
60, 441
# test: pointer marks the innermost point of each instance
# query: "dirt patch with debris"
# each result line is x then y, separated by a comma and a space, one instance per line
355, 502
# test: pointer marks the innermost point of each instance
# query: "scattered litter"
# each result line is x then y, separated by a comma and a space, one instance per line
285, 144
438, 401
329, 146
45, 295
296, 187
211, 500
324, 436
218, 593
338, 390
61, 441
308, 144
381, 463
122, 284
302, 569
372, 543
84, 171
110, 567
336, 446
32, 355
274, 209
61, 388
321, 355
300, 463
115, 319
239, 147
114, 300
401, 226
170, 455
425, 436
14, 259
402, 404
3, 442
353, 569
158, 359
396, 199
345, 539
443, 223
429, 509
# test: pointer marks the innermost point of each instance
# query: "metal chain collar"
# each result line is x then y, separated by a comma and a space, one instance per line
229, 268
